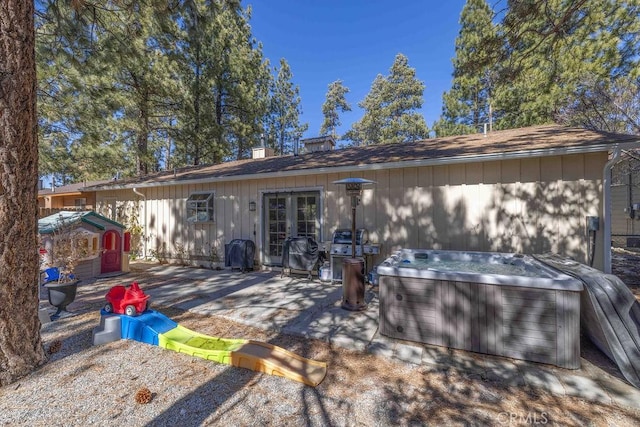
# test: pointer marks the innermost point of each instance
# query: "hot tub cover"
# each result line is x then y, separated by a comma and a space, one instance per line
610, 314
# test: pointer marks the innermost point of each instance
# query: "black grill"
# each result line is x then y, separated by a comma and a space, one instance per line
343, 236
239, 253
299, 253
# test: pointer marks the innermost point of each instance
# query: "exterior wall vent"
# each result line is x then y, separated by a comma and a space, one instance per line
262, 152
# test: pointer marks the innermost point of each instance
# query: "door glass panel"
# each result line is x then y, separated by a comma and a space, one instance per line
307, 216
277, 225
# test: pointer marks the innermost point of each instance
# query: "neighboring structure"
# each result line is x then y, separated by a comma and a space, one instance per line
523, 190
103, 241
71, 197
625, 203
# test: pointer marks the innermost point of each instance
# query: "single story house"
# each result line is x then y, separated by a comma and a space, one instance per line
526, 190
98, 245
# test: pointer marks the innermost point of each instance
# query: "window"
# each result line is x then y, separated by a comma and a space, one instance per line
81, 204
81, 245
200, 207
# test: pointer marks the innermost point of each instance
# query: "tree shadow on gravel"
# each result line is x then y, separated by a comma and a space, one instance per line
229, 388
390, 391
207, 398
448, 397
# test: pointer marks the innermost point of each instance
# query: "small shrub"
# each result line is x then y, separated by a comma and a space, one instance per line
159, 255
181, 253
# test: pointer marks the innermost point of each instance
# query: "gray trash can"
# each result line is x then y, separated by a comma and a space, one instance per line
353, 284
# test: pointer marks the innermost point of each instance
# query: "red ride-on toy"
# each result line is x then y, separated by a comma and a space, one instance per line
130, 301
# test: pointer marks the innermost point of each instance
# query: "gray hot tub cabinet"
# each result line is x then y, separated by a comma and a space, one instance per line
529, 323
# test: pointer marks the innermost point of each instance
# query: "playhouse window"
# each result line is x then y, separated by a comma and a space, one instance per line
200, 207
86, 245
82, 245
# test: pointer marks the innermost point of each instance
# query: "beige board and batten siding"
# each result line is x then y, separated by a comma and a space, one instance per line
532, 205
168, 231
528, 205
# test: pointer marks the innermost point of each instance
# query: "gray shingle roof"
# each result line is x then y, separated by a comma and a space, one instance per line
526, 141
71, 188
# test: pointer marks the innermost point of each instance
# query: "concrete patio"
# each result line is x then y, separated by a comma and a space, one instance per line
310, 308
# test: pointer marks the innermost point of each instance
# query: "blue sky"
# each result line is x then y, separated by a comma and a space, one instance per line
353, 41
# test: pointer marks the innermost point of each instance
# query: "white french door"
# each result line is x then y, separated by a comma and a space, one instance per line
288, 215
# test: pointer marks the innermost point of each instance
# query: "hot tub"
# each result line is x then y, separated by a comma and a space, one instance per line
494, 303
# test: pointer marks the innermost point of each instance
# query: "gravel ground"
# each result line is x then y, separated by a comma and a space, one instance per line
96, 385
82, 384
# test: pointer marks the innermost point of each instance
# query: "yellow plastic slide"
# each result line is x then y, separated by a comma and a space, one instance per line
248, 354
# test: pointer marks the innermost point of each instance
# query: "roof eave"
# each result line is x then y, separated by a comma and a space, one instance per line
60, 193
474, 158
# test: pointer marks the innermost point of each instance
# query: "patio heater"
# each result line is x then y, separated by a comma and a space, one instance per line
352, 268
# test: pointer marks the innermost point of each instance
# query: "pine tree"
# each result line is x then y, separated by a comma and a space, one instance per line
146, 86
72, 145
545, 61
248, 79
195, 127
226, 74
284, 122
390, 108
252, 102
368, 130
225, 82
467, 105
133, 56
609, 104
554, 47
118, 80
335, 102
205, 46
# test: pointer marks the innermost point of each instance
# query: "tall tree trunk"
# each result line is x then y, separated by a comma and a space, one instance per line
196, 109
219, 129
142, 140
20, 342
